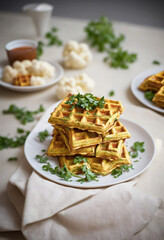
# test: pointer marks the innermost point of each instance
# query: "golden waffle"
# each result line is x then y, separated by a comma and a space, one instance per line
109, 150
98, 120
22, 80
97, 165
75, 138
159, 96
144, 85
57, 147
156, 81
118, 132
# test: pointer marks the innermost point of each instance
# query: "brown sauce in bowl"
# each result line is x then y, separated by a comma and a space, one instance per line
21, 53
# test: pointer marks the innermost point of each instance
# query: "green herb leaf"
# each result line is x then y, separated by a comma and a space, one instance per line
22, 114
41, 158
40, 49
156, 62
139, 146
119, 171
43, 135
149, 95
12, 159
86, 101
80, 159
6, 142
89, 176
120, 59
20, 130
111, 93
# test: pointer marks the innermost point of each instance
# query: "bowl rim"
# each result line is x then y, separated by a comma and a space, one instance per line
20, 43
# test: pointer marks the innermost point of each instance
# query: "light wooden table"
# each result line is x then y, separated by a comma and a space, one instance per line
147, 42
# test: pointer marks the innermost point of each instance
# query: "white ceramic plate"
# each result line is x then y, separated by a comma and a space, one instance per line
140, 94
58, 75
34, 147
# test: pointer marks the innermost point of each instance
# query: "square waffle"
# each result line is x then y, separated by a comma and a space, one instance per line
98, 120
159, 96
109, 150
57, 147
156, 81
118, 132
97, 165
22, 80
75, 138
144, 85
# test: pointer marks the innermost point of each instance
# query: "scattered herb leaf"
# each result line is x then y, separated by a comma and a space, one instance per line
101, 35
12, 159
43, 135
40, 49
120, 58
156, 62
20, 130
80, 159
149, 95
111, 93
22, 114
89, 175
119, 171
6, 142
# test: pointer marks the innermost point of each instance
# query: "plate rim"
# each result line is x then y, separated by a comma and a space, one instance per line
137, 79
35, 88
65, 183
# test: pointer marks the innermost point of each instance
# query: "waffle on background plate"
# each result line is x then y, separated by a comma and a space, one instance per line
155, 83
96, 134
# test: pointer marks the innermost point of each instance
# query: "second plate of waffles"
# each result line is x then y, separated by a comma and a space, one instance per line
103, 140
150, 80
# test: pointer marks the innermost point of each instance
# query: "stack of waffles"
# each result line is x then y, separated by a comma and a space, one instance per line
97, 135
155, 83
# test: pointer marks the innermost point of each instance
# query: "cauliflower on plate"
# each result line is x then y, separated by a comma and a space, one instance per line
20, 67
9, 74
76, 55
41, 69
37, 81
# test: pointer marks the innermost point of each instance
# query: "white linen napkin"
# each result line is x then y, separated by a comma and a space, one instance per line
52, 211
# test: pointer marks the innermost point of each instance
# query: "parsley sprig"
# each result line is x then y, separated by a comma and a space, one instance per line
119, 171
86, 101
64, 173
22, 114
101, 35
43, 135
6, 142
52, 39
136, 148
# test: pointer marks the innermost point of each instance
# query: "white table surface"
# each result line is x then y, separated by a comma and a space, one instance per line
147, 42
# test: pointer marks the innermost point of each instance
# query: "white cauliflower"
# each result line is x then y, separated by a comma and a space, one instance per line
27, 64
9, 74
37, 81
41, 69
81, 83
85, 82
20, 67
76, 55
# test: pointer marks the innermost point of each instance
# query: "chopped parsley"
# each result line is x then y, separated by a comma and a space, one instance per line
136, 148
6, 142
119, 171
156, 62
22, 114
120, 58
111, 93
80, 159
149, 95
86, 101
43, 135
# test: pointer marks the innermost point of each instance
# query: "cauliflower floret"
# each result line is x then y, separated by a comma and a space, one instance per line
81, 83
62, 92
20, 67
27, 64
76, 55
85, 82
41, 69
37, 81
9, 74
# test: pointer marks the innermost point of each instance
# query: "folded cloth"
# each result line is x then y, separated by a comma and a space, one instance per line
52, 211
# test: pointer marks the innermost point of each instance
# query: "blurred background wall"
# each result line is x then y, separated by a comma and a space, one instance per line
145, 12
